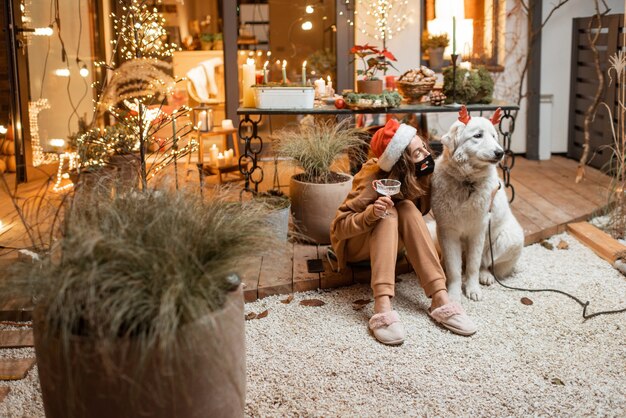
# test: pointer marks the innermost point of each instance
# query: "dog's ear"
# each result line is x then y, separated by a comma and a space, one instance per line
450, 139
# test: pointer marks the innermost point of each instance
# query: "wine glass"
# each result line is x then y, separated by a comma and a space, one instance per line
387, 187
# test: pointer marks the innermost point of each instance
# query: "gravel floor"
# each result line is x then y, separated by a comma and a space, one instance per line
540, 359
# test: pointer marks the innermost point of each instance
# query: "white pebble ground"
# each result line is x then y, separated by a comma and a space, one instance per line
321, 361
535, 360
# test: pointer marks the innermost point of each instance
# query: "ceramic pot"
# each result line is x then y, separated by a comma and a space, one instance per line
314, 206
369, 86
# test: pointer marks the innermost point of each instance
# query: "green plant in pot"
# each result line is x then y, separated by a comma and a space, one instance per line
138, 308
472, 86
435, 45
318, 191
373, 60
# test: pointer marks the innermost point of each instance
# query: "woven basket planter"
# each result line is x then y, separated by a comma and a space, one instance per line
413, 92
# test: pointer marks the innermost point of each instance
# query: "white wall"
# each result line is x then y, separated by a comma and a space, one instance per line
405, 46
556, 54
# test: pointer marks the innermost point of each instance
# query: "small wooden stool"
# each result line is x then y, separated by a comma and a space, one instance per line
212, 167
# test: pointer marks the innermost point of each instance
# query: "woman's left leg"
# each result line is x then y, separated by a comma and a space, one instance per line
420, 248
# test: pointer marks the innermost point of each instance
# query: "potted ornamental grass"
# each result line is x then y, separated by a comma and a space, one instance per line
435, 45
373, 60
138, 306
318, 191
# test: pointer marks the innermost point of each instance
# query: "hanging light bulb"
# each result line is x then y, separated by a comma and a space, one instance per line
307, 25
84, 72
309, 9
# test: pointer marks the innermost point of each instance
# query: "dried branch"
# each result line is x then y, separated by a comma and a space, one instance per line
591, 110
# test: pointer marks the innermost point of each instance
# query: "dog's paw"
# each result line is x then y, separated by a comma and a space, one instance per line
472, 291
485, 277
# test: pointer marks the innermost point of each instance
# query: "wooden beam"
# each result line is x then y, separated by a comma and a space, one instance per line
345, 39
231, 70
534, 79
600, 242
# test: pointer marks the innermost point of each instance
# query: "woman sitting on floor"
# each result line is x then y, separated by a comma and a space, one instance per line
372, 227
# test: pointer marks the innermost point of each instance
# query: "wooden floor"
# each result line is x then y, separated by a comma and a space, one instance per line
546, 199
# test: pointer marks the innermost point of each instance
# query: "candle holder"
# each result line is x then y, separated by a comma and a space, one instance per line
203, 118
454, 104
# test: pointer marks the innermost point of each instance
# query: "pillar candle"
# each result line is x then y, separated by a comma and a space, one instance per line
249, 71
228, 156
304, 73
221, 160
284, 72
320, 87
265, 72
227, 124
329, 87
214, 153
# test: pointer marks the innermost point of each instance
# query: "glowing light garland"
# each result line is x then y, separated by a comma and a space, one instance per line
72, 162
39, 156
382, 19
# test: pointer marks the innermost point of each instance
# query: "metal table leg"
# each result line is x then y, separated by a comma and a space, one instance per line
248, 161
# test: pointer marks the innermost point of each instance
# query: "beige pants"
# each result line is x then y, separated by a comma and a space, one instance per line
404, 226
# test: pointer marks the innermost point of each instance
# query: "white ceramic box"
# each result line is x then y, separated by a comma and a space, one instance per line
284, 97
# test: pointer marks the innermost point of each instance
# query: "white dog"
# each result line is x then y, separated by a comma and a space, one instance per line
466, 193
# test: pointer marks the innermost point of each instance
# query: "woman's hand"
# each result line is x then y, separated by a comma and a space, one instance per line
382, 205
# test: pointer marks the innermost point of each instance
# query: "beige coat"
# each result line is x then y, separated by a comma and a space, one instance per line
356, 215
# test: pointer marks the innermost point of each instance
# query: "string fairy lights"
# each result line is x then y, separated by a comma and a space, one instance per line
382, 19
72, 164
39, 156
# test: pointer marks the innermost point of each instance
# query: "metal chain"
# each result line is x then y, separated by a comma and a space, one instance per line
508, 161
249, 132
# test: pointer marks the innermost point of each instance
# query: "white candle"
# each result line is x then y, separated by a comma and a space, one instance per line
304, 73
320, 87
284, 72
249, 79
227, 124
265, 72
221, 160
228, 156
214, 153
329, 88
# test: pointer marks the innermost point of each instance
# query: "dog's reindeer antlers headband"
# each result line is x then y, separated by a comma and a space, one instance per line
465, 117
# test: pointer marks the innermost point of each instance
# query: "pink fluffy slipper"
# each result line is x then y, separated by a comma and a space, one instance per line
452, 316
387, 328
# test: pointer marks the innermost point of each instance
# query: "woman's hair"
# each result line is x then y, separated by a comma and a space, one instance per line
404, 170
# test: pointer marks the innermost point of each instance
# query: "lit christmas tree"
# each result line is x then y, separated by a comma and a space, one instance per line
134, 93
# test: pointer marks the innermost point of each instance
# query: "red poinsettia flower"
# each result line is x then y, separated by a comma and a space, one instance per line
388, 55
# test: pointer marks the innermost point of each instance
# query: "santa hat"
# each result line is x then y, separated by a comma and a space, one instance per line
390, 141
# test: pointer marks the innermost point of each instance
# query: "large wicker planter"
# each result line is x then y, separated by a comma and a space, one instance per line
207, 378
314, 206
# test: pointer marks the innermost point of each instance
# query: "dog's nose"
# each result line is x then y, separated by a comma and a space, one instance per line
499, 154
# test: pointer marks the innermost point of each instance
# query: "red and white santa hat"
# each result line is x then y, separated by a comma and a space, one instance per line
390, 141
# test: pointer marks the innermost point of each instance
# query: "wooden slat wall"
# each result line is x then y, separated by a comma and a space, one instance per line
584, 81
